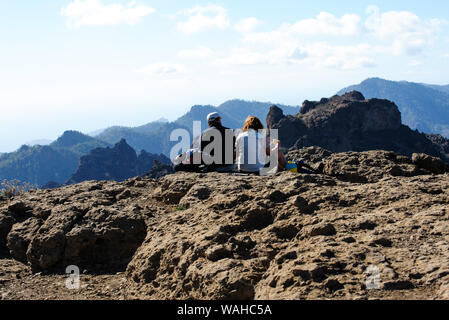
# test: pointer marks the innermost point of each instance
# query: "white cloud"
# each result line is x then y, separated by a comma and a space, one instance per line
203, 18
162, 68
388, 33
200, 53
341, 57
318, 55
95, 13
404, 31
247, 25
327, 24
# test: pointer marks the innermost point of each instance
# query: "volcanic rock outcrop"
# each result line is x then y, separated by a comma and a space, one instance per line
118, 163
440, 141
73, 225
351, 123
376, 225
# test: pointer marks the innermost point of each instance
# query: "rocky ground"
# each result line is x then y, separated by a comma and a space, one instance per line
372, 216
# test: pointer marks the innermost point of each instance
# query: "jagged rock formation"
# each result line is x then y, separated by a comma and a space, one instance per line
225, 236
424, 107
118, 163
350, 123
441, 142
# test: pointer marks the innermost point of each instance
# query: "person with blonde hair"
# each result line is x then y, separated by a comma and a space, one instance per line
253, 148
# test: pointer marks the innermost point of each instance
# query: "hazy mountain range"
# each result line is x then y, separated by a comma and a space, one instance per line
424, 107
154, 136
444, 89
57, 161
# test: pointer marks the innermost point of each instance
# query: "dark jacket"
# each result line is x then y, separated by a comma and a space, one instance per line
227, 146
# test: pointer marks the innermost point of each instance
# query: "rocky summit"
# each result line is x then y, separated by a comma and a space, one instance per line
352, 123
375, 224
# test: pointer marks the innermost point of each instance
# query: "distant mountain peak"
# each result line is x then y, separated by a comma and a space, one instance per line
70, 138
123, 146
162, 120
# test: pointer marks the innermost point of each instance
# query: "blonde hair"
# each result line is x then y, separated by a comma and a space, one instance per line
252, 122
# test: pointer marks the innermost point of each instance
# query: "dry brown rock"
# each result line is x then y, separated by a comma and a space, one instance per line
311, 155
104, 236
351, 227
432, 164
369, 166
227, 236
20, 237
6, 223
321, 230
82, 224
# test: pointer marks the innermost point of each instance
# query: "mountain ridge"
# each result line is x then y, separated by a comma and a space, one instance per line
233, 112
153, 137
54, 162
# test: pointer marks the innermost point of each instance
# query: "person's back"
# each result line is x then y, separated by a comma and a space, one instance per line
221, 151
251, 151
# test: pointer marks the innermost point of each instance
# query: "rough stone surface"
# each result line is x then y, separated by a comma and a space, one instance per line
290, 253
311, 155
84, 224
432, 164
20, 237
228, 236
6, 223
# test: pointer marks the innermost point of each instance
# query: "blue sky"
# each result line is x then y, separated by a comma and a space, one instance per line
90, 64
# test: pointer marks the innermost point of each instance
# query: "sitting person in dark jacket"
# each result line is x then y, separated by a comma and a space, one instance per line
215, 147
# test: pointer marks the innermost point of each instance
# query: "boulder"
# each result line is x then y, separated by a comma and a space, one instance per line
432, 164
104, 236
46, 248
20, 237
